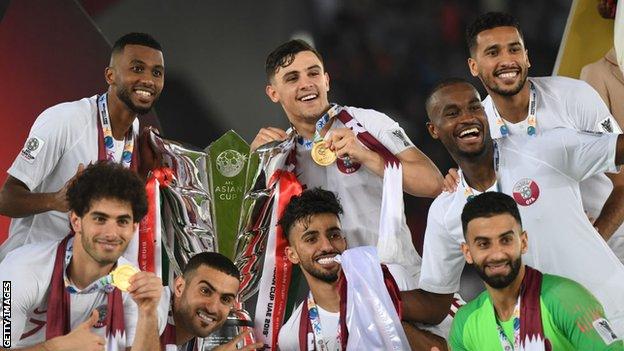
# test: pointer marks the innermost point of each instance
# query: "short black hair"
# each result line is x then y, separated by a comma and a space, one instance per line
307, 204
134, 38
487, 21
489, 204
213, 260
107, 180
441, 85
284, 55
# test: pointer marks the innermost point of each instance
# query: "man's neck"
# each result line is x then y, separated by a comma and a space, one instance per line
306, 127
478, 171
325, 294
505, 299
83, 270
120, 115
512, 108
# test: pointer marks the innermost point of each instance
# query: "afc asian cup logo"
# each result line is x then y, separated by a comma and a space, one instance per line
230, 163
32, 144
525, 192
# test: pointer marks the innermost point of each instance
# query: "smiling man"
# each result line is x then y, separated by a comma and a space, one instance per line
522, 308
200, 301
62, 298
70, 135
522, 105
298, 81
542, 173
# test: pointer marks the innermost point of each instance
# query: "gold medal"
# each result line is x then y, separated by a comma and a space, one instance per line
322, 155
121, 276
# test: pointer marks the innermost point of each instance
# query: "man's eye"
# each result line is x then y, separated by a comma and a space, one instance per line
137, 69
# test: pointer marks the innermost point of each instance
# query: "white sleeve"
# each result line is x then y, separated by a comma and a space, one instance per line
383, 128
46, 143
163, 309
579, 155
588, 111
442, 261
20, 285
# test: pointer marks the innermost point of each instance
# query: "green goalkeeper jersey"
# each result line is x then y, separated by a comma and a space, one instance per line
571, 317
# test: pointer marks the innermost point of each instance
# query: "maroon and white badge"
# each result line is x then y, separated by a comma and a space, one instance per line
526, 192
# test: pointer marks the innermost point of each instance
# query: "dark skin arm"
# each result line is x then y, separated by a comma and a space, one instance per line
425, 307
612, 214
16, 200
422, 340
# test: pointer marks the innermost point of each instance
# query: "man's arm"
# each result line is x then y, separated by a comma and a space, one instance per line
145, 289
16, 200
422, 340
420, 175
425, 307
612, 213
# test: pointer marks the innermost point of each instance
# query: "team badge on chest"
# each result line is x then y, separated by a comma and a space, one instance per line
525, 192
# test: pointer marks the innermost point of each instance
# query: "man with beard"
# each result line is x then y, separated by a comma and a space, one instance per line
297, 80
70, 135
312, 226
61, 292
518, 105
542, 173
522, 308
199, 303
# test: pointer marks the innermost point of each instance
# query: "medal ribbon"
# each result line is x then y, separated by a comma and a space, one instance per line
315, 321
531, 118
516, 324
109, 144
333, 111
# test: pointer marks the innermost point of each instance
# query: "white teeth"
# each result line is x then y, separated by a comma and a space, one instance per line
468, 131
508, 75
205, 317
308, 97
143, 92
326, 260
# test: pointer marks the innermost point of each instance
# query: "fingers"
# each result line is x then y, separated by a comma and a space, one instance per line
95, 315
253, 346
451, 180
266, 135
454, 173
144, 282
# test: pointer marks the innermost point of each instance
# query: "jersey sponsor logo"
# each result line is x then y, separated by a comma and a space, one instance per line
31, 148
526, 192
603, 328
609, 125
399, 134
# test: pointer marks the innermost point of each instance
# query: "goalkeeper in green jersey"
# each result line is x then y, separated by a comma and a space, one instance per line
522, 309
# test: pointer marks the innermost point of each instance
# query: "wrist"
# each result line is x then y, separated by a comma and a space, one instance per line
52, 344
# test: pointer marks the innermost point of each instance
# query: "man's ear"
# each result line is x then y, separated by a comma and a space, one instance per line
76, 222
272, 93
292, 255
109, 75
466, 252
432, 131
179, 286
474, 68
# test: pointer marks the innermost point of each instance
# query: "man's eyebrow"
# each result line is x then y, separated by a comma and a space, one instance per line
215, 290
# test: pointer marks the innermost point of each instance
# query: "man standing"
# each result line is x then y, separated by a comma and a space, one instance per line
330, 151
528, 106
312, 226
202, 299
542, 174
62, 297
522, 308
70, 135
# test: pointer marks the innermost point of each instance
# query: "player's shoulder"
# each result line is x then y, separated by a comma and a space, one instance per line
79, 111
559, 289
443, 203
32, 254
367, 115
562, 88
472, 307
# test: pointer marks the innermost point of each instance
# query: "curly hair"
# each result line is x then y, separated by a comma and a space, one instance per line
284, 55
307, 204
487, 21
106, 180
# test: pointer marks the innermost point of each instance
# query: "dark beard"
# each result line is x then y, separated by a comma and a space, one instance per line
124, 95
500, 282
327, 277
515, 90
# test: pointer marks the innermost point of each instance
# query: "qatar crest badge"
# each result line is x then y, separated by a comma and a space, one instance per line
526, 192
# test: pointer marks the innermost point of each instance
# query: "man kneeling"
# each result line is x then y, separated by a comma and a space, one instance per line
522, 309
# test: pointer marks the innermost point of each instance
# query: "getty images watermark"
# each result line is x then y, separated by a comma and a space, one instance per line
6, 314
